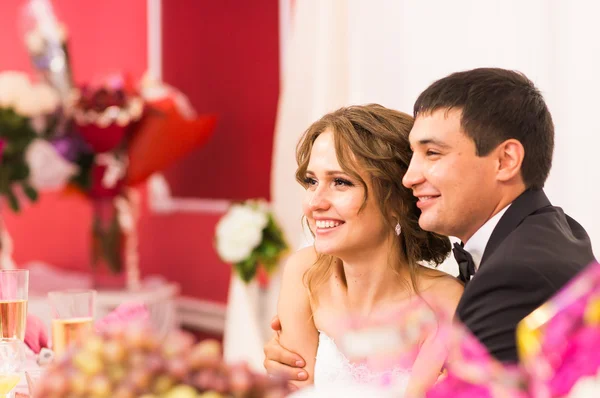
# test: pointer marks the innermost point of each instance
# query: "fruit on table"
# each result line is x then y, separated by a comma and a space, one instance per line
132, 362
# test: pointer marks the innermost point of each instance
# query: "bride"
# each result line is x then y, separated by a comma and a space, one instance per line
367, 248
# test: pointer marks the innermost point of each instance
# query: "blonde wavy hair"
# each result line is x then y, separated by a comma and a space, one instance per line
374, 140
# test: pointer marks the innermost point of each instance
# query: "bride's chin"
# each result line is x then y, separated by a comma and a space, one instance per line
326, 250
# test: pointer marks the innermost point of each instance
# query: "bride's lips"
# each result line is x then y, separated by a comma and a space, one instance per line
327, 225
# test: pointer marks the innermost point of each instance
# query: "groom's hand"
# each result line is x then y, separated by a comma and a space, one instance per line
279, 361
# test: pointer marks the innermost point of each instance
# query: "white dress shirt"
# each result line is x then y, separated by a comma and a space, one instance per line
476, 245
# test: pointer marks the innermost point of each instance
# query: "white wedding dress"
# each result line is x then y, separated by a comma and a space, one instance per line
336, 376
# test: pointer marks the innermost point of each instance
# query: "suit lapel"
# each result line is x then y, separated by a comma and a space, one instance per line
527, 203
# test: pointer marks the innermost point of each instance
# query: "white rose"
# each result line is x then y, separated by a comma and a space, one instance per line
239, 232
47, 169
260, 205
27, 104
47, 97
12, 86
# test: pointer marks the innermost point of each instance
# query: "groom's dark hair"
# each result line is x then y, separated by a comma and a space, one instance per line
497, 105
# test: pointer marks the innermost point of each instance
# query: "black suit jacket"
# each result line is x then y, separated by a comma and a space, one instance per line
534, 251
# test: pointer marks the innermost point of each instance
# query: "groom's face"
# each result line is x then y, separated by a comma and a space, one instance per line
455, 187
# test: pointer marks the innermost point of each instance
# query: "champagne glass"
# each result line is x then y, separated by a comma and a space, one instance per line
10, 363
13, 303
72, 317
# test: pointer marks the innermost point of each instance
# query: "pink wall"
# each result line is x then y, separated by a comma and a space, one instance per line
225, 54
110, 35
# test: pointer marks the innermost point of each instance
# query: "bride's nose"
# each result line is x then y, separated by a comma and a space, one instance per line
319, 199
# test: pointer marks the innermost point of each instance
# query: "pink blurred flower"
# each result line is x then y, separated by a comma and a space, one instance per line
124, 314
569, 334
36, 335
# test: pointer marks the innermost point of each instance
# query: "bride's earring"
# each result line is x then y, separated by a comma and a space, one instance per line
398, 229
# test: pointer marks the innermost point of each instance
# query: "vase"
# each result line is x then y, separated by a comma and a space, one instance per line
250, 307
107, 253
115, 255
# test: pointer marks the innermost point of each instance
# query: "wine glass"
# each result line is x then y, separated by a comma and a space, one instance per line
10, 365
13, 303
72, 317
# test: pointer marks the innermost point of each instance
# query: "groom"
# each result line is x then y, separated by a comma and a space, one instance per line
483, 142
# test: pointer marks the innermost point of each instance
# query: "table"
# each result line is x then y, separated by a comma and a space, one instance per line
156, 293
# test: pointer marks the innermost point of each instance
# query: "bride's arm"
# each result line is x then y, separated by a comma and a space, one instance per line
428, 366
298, 331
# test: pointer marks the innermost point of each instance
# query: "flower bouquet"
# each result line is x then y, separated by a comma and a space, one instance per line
100, 139
248, 237
558, 343
27, 113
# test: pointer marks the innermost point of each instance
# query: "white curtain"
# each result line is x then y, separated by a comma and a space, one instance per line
343, 52
346, 52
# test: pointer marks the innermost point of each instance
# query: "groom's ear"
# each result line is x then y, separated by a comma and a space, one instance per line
510, 158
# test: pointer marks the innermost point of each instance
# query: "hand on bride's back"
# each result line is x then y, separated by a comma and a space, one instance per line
279, 361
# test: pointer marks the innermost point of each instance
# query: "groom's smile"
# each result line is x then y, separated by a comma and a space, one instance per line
425, 201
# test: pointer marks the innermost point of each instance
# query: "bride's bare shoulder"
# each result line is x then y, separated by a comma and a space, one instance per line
301, 260
441, 289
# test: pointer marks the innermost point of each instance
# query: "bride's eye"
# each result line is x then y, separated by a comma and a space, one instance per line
343, 182
309, 181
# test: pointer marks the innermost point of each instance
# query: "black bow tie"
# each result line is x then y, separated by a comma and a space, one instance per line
466, 265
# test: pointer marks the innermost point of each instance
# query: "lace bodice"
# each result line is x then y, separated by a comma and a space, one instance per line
332, 367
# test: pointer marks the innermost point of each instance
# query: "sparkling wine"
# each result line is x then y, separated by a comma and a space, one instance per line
8, 382
67, 331
13, 317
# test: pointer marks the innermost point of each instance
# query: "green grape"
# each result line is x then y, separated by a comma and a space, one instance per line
100, 387
176, 344
114, 352
88, 363
205, 354
116, 373
211, 394
181, 391
94, 345
162, 384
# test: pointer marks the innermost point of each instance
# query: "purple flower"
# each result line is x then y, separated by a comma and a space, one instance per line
70, 147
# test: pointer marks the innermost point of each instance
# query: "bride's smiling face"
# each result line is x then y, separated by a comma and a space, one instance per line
334, 205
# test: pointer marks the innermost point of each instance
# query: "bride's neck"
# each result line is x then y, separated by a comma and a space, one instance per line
372, 279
